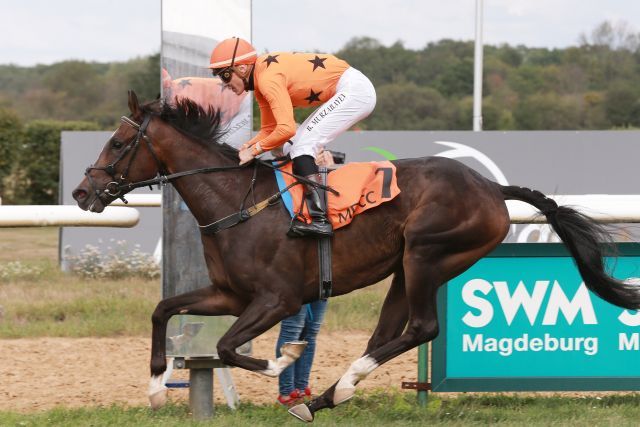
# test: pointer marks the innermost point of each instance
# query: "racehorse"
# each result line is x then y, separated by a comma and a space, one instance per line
446, 218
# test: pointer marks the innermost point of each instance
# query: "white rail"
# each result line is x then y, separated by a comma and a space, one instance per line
66, 216
140, 200
604, 208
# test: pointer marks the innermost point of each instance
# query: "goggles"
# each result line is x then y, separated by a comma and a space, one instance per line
226, 73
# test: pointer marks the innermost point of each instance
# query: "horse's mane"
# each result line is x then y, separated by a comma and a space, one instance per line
194, 121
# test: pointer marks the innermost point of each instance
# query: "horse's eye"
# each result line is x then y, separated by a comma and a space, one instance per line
116, 145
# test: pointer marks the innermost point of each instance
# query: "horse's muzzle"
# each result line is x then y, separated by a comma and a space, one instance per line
88, 200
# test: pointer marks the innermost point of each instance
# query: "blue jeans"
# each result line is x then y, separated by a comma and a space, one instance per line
303, 326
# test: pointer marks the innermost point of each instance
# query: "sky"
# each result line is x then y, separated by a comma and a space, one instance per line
48, 31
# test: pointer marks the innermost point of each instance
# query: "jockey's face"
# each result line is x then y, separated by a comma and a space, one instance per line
236, 84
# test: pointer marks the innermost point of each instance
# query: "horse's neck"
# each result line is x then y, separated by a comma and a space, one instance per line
208, 195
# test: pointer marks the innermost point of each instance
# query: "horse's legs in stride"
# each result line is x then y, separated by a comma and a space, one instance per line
207, 301
421, 284
259, 316
426, 267
391, 323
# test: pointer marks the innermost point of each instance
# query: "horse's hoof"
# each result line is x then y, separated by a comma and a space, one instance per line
341, 395
293, 349
158, 399
302, 413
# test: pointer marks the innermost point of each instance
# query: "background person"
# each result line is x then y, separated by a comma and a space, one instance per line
293, 382
212, 93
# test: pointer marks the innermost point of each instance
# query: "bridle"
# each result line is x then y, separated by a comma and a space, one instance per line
115, 187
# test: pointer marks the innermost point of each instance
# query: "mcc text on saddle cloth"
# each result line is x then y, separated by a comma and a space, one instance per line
361, 186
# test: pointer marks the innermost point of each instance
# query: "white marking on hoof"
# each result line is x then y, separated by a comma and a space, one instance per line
158, 399
157, 387
341, 395
291, 351
272, 369
302, 413
346, 387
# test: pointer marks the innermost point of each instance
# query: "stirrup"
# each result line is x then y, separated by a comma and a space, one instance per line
314, 229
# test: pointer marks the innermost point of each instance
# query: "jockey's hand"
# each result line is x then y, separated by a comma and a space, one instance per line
325, 159
277, 152
245, 155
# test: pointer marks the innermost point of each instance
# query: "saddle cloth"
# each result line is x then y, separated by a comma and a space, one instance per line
362, 186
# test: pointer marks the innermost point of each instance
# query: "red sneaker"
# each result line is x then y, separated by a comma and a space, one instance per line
289, 400
306, 394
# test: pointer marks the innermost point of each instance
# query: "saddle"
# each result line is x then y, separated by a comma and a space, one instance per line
361, 186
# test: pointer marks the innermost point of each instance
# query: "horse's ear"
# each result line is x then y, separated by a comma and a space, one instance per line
134, 105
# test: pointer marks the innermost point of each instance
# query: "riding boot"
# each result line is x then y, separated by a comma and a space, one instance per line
319, 226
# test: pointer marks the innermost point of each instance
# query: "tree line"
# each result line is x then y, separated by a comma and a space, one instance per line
38, 103
590, 86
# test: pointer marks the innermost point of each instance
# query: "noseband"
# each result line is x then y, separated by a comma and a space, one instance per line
115, 187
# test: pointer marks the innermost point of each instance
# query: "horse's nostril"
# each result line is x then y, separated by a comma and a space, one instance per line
79, 194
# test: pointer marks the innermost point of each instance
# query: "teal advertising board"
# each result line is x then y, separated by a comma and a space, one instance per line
522, 319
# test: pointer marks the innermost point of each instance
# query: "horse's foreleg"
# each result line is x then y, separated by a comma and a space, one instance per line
262, 314
207, 301
392, 321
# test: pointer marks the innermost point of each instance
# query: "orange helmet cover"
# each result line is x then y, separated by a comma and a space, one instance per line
223, 54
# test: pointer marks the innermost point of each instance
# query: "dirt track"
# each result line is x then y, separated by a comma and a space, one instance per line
38, 374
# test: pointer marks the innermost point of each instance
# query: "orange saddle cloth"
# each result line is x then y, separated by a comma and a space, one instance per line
362, 186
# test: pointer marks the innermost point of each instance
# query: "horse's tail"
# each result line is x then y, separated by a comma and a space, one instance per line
583, 237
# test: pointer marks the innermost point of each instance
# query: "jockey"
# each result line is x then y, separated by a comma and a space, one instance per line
283, 81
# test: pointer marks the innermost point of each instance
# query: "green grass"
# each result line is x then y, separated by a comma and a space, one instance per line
61, 305
358, 310
37, 299
29, 244
53, 303
375, 409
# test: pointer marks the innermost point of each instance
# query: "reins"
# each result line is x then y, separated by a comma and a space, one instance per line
163, 179
118, 187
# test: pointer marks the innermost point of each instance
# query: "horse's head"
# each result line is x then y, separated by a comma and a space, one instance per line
128, 156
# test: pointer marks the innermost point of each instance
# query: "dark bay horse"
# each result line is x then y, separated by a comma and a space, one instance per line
445, 219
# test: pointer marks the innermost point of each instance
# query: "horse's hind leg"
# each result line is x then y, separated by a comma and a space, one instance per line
393, 315
425, 270
422, 282
391, 322
436, 250
207, 301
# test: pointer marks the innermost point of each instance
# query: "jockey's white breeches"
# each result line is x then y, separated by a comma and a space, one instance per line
354, 100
